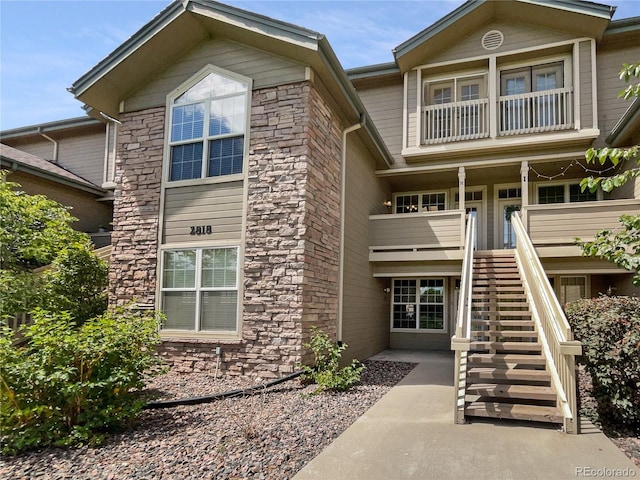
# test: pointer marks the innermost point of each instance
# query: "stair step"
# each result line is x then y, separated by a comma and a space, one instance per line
500, 375
495, 303
505, 333
503, 359
523, 392
498, 296
496, 281
501, 313
498, 289
533, 413
507, 346
503, 323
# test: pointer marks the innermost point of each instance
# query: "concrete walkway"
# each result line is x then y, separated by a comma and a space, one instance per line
409, 434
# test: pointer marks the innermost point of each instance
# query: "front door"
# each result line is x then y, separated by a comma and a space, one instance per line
509, 201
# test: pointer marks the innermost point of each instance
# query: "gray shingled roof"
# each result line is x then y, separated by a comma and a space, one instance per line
33, 164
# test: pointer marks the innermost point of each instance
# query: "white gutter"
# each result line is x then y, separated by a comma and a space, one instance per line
55, 144
343, 182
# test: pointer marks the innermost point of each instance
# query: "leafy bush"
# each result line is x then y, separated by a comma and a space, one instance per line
609, 329
72, 384
326, 373
77, 283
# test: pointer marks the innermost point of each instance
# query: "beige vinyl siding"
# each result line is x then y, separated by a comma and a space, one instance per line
91, 214
562, 223
417, 230
586, 86
412, 98
610, 107
516, 36
365, 324
265, 70
218, 205
80, 153
84, 155
385, 108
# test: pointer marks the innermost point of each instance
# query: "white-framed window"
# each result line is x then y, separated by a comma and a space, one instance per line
550, 193
536, 97
456, 106
199, 290
418, 304
572, 288
207, 126
420, 202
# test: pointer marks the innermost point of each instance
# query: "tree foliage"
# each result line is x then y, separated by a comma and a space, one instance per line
71, 384
621, 247
36, 231
33, 228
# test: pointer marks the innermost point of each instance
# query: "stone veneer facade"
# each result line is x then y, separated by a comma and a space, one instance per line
292, 231
136, 208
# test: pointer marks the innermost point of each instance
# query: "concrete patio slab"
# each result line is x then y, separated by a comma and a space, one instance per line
409, 434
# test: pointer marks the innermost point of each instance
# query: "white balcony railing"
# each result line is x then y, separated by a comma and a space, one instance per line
536, 112
450, 122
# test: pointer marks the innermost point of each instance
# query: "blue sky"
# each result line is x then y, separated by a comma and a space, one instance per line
46, 45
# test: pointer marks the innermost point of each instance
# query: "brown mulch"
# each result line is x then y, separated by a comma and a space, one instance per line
627, 441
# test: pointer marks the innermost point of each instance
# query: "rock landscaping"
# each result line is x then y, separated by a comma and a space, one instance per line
270, 435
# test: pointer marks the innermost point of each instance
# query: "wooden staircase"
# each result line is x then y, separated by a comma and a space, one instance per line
507, 373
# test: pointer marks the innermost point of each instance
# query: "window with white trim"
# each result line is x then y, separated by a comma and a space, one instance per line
200, 289
421, 202
564, 193
207, 128
572, 289
418, 304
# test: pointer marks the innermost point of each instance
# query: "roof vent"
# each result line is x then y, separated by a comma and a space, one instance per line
492, 39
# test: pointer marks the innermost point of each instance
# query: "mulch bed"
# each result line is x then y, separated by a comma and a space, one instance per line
271, 435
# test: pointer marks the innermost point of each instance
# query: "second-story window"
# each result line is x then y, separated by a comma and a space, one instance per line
208, 123
455, 109
534, 98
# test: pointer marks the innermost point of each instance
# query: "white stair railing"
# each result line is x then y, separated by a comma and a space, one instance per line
554, 331
461, 341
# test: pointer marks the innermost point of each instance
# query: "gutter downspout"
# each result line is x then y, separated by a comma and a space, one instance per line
55, 145
343, 178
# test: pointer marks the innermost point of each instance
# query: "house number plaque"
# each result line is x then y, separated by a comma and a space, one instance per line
201, 230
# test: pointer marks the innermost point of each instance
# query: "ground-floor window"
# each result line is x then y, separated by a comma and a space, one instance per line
572, 289
200, 289
418, 304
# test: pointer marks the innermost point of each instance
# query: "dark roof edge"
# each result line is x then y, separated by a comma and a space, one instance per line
436, 27
166, 16
21, 166
49, 127
132, 43
373, 70
340, 76
621, 127
623, 25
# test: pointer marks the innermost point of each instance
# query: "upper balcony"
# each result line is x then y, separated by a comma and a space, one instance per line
500, 105
526, 113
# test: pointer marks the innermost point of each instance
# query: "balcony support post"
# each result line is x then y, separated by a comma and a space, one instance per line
524, 179
462, 177
494, 85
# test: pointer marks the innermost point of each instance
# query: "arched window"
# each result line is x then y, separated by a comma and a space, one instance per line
208, 123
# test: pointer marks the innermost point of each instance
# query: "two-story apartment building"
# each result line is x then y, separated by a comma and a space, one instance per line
261, 190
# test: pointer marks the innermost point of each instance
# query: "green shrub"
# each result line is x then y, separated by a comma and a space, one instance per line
70, 384
327, 374
77, 283
609, 329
